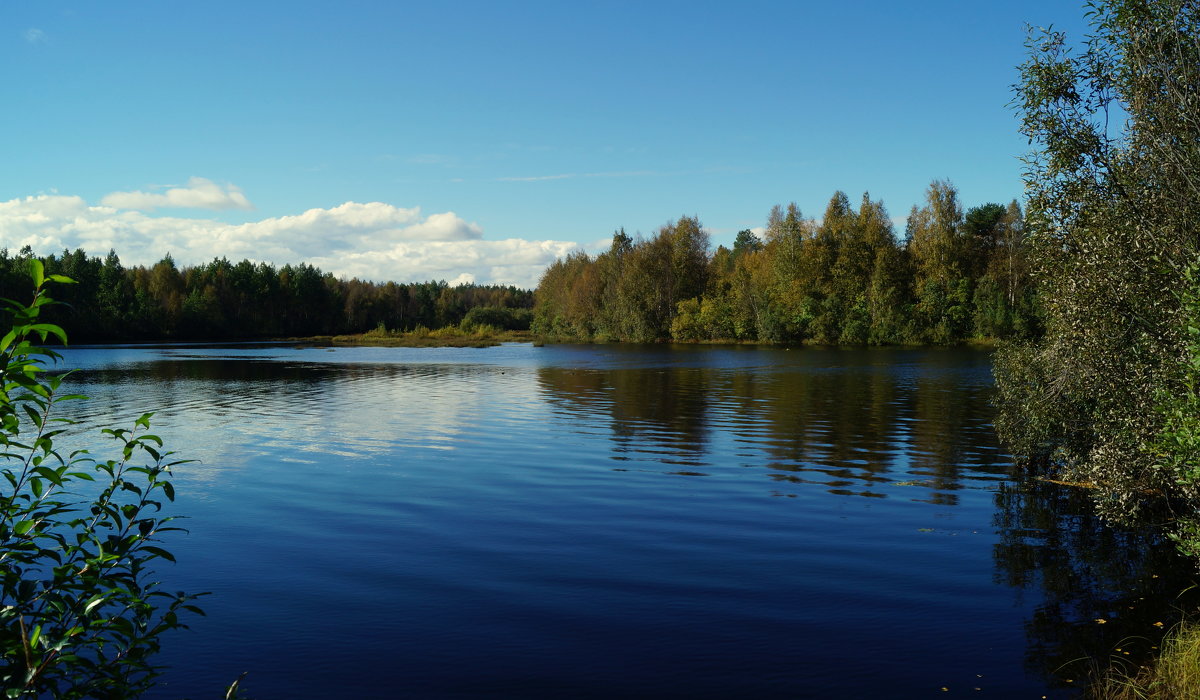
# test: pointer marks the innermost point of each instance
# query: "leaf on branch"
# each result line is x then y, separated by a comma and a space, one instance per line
159, 552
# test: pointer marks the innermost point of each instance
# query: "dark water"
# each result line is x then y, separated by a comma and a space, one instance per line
617, 521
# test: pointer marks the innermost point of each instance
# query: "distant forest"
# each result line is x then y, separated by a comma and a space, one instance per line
842, 279
231, 301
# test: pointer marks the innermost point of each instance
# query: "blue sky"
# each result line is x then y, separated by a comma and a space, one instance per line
479, 140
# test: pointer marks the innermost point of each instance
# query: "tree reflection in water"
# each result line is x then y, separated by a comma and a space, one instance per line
851, 421
1109, 593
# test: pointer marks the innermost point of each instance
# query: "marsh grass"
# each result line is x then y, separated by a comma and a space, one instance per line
1175, 675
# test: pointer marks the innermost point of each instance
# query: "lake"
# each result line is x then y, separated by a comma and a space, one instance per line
618, 521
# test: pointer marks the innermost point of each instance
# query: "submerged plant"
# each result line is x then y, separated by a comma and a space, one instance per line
80, 612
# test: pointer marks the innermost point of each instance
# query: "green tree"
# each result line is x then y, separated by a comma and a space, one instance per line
788, 276
165, 286
114, 298
746, 242
982, 229
941, 254
689, 258
645, 292
1114, 197
567, 298
888, 283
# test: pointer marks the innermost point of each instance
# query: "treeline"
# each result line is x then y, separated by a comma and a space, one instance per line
221, 300
843, 279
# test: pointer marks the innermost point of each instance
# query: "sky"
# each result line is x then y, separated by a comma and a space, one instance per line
478, 141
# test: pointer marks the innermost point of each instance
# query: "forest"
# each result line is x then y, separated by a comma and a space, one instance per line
221, 300
845, 278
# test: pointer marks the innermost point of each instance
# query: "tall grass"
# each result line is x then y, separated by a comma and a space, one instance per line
1175, 675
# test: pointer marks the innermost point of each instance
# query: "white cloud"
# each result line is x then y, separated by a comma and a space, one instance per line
370, 240
511, 261
444, 227
34, 35
200, 193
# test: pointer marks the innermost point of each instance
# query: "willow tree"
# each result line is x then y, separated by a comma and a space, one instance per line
1114, 200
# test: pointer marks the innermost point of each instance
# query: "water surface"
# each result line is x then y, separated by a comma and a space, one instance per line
614, 521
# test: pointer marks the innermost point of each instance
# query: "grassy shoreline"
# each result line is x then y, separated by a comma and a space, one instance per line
421, 337
1174, 675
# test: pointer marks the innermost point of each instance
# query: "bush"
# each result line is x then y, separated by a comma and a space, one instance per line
80, 614
499, 317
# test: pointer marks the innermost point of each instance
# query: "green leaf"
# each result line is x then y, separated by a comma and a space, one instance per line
93, 602
37, 272
23, 527
44, 329
160, 552
33, 415
52, 475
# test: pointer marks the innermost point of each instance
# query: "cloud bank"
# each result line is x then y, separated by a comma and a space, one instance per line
371, 240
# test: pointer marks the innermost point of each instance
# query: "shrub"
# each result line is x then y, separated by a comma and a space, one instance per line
80, 613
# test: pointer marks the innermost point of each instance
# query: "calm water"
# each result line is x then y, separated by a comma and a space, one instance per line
617, 521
